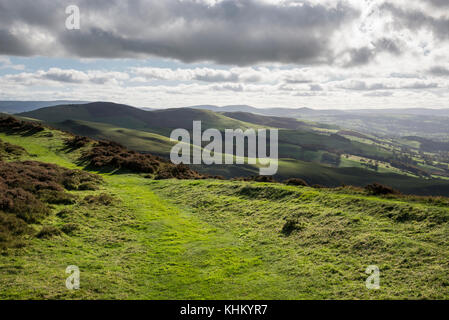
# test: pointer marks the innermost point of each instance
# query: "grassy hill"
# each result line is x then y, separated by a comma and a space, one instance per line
275, 122
158, 121
24, 106
211, 239
316, 153
295, 160
138, 140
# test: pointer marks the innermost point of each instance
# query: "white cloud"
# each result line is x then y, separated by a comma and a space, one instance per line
5, 63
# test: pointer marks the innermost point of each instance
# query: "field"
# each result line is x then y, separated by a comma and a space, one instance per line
212, 239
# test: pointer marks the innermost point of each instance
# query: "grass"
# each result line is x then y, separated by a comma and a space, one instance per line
210, 239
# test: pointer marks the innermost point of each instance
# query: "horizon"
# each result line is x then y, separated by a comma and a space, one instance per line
219, 106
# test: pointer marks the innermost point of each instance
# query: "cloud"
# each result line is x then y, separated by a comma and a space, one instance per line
415, 19
247, 75
316, 87
365, 55
379, 94
236, 32
439, 71
13, 45
66, 76
387, 84
5, 63
440, 3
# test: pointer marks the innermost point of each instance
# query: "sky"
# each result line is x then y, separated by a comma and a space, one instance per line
330, 54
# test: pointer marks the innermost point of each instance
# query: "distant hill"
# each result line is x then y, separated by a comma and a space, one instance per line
428, 123
316, 113
277, 112
271, 121
24, 106
125, 116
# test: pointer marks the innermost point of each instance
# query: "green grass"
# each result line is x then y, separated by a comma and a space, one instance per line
160, 121
211, 239
138, 140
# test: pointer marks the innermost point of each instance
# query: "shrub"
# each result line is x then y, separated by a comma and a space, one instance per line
57, 197
180, 171
256, 179
87, 186
11, 228
296, 182
379, 189
291, 225
8, 150
76, 142
101, 199
113, 156
26, 190
12, 125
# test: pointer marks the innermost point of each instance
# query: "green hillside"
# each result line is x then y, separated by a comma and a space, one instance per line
295, 160
309, 151
159, 121
276, 122
210, 239
138, 140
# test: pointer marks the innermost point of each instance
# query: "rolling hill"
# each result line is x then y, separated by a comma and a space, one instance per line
275, 122
429, 123
24, 106
311, 170
159, 121
308, 151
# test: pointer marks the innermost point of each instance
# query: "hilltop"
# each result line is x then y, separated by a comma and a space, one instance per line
160, 121
13, 106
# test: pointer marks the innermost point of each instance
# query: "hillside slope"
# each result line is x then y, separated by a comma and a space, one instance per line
276, 122
210, 239
13, 106
158, 121
295, 160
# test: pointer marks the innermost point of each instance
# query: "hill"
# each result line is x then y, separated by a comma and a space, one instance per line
428, 123
275, 122
137, 140
312, 171
318, 155
159, 121
133, 237
24, 106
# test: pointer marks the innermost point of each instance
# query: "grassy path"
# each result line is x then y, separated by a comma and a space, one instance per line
184, 257
142, 247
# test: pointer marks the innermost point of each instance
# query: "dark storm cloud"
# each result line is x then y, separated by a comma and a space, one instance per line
440, 3
13, 45
360, 56
239, 32
365, 55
